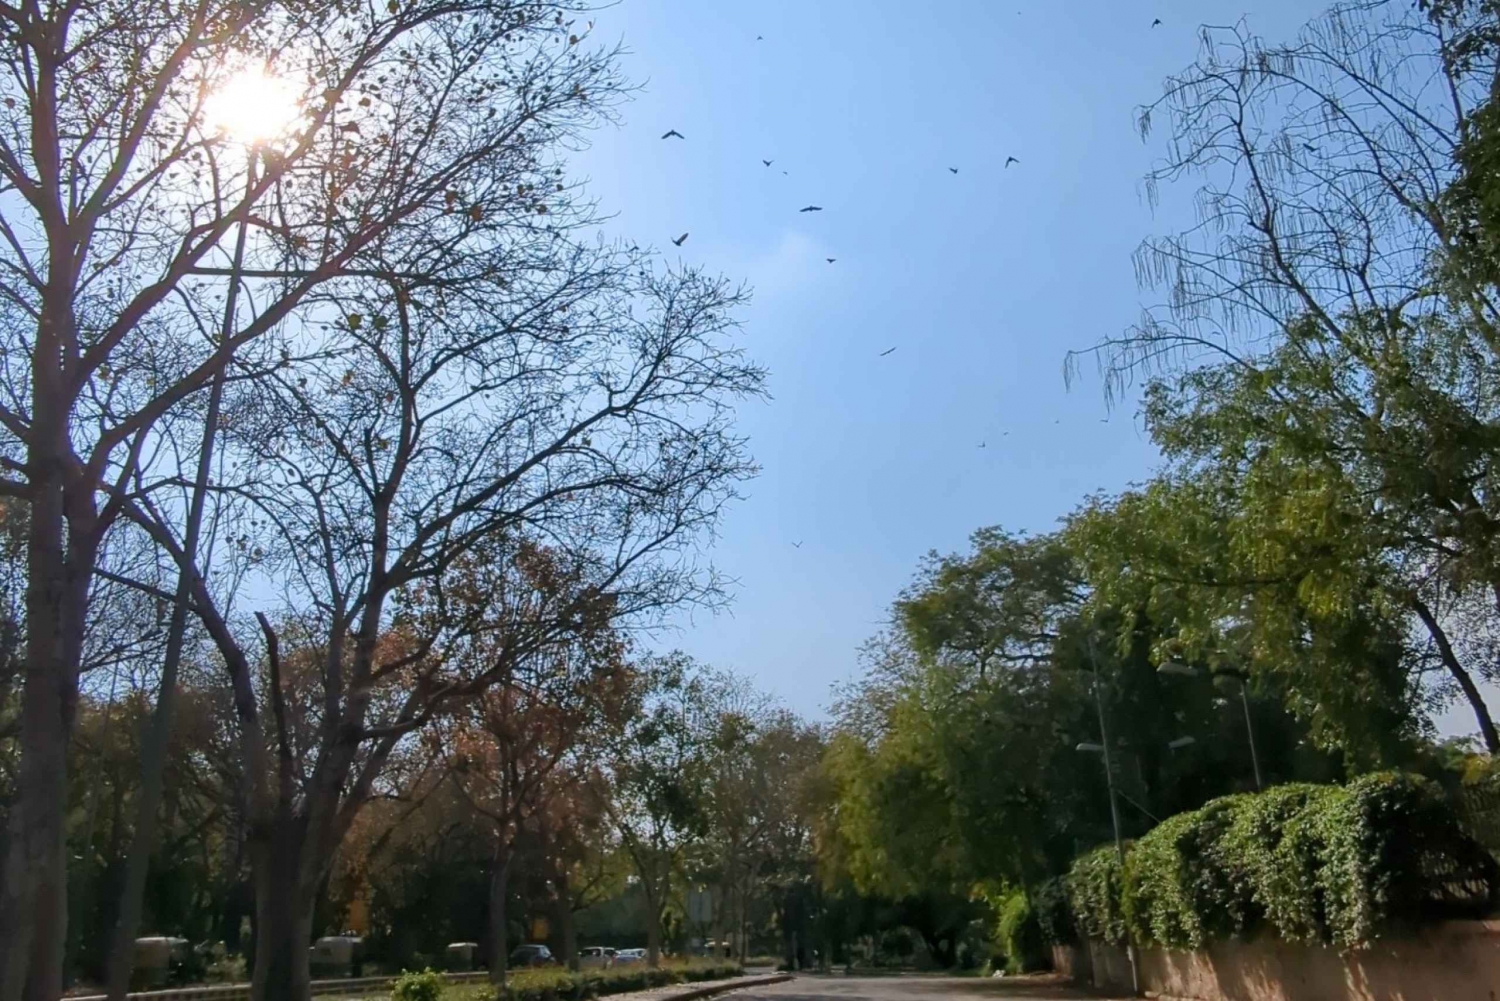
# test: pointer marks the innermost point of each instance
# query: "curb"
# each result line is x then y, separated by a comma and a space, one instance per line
708, 990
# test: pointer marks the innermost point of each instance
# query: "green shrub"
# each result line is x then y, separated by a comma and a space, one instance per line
1177, 889
556, 984
1393, 847
1094, 892
413, 986
1248, 851
1020, 935
1316, 863
1050, 901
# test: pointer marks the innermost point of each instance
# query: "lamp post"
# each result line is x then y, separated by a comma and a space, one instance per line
1182, 670
1102, 749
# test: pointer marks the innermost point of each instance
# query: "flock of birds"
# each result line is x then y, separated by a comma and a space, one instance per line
680, 240
1009, 160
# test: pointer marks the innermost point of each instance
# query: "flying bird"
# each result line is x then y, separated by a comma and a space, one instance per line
1010, 160
1156, 22
812, 208
767, 162
952, 170
681, 240
760, 38
670, 133
981, 444
798, 545
830, 260
886, 352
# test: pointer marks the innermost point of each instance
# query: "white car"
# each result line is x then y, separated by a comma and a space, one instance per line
626, 957
596, 957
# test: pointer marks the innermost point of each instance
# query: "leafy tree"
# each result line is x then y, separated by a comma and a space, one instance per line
1322, 360
661, 768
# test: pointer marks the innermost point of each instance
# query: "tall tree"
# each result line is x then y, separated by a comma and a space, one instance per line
1319, 336
414, 123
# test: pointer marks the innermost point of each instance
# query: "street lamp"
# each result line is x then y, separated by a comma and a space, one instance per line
1102, 749
1182, 670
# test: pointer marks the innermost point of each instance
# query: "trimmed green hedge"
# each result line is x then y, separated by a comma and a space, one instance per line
1315, 863
562, 985
1094, 892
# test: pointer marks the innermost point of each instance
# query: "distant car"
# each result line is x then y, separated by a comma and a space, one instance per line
531, 955
596, 957
625, 957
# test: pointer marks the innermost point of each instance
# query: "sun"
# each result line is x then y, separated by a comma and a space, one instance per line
251, 107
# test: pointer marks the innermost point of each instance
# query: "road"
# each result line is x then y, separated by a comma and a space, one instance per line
913, 988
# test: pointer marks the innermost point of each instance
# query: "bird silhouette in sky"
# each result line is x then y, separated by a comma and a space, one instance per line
1010, 160
760, 38
673, 133
1005, 434
1156, 22
681, 240
797, 545
768, 162
981, 444
886, 352
812, 208
830, 260
952, 170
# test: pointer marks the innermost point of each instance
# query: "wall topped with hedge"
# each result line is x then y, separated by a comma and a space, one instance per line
1331, 864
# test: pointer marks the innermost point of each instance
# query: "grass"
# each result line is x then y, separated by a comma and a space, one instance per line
557, 984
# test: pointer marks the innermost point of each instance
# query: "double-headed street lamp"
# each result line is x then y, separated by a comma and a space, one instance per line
1180, 669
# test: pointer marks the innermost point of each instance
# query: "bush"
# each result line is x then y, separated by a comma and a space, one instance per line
1316, 863
412, 986
1050, 901
1177, 889
1094, 893
1020, 935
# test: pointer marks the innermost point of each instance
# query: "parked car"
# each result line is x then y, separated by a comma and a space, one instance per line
531, 955
625, 957
596, 957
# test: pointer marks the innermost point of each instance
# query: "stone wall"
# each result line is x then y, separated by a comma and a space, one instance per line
1454, 961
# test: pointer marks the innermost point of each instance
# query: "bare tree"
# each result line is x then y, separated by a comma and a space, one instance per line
417, 128
565, 424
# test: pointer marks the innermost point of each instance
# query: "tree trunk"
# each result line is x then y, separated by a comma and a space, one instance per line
283, 919
567, 934
159, 734
33, 886
653, 931
1465, 682
499, 886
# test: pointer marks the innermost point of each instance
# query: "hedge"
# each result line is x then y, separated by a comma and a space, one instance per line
562, 985
1020, 934
1049, 899
1314, 863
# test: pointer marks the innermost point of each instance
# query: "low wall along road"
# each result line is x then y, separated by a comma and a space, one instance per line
1453, 961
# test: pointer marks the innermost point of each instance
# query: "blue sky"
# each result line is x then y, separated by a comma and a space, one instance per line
982, 281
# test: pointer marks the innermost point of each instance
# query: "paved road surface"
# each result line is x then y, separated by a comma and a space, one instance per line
912, 988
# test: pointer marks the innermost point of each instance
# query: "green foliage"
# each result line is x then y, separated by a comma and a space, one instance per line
1094, 893
427, 985
1053, 912
1317, 864
1020, 933
1176, 890
562, 985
